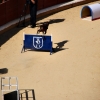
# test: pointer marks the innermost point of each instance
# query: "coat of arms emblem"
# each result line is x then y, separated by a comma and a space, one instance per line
37, 42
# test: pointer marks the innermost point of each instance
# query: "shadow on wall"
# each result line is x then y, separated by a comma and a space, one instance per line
3, 71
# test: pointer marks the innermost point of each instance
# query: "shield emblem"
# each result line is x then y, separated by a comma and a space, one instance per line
37, 42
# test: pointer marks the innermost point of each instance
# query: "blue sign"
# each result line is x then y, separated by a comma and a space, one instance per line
37, 42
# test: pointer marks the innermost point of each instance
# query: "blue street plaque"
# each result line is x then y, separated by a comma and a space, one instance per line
38, 42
